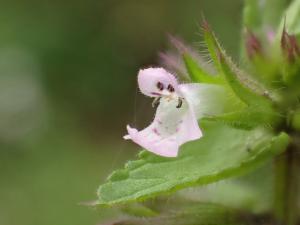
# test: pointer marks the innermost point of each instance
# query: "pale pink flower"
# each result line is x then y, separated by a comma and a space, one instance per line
175, 121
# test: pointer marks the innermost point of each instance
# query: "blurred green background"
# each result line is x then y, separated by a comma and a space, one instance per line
68, 89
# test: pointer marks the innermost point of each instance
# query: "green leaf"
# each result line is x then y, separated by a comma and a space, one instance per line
223, 152
247, 118
197, 74
244, 88
252, 193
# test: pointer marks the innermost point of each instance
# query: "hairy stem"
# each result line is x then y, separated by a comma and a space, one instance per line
286, 185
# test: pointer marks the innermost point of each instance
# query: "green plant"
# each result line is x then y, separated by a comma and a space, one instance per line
253, 144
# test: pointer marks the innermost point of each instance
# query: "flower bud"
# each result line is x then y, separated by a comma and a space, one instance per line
253, 44
289, 46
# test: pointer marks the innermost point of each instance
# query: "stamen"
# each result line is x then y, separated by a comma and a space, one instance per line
179, 103
155, 102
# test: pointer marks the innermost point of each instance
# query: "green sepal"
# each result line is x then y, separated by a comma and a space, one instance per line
196, 73
246, 90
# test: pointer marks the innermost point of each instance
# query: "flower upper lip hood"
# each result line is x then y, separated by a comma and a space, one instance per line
155, 82
175, 121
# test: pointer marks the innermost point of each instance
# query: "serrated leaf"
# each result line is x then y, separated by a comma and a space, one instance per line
252, 193
223, 152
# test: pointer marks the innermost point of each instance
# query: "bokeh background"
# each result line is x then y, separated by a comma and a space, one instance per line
68, 89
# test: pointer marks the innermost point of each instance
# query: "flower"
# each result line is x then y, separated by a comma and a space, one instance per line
175, 121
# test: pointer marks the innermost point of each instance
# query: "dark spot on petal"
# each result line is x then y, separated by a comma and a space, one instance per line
160, 86
156, 131
170, 88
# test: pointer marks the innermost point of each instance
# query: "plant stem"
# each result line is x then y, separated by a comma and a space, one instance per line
286, 185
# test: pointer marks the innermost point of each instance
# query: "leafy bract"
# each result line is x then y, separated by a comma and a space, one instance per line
223, 152
260, 102
247, 90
